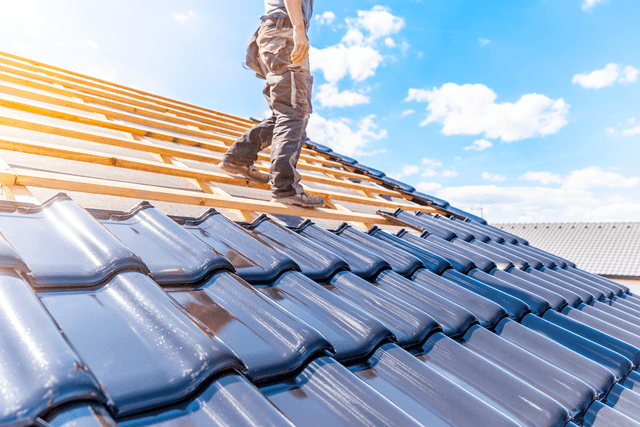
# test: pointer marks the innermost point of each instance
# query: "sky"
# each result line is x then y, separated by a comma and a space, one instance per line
516, 111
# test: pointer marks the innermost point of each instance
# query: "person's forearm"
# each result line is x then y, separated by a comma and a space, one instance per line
294, 10
301, 44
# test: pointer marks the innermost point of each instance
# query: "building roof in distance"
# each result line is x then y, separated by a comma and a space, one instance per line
606, 248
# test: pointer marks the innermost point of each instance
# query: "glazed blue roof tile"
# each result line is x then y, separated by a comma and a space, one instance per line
173, 255
38, 367
286, 333
409, 325
253, 261
361, 260
63, 245
315, 261
435, 200
229, 401
394, 184
405, 219
270, 341
400, 261
431, 261
352, 332
366, 170
161, 355
492, 384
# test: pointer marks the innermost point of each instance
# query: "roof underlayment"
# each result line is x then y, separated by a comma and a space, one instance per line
141, 286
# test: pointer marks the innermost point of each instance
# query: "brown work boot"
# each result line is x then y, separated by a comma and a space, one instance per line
303, 199
250, 172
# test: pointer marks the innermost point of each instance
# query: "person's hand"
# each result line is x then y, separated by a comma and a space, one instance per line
300, 45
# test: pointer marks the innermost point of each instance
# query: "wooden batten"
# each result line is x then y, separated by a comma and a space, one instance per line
88, 109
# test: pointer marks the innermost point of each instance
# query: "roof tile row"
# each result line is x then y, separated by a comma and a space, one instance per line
136, 318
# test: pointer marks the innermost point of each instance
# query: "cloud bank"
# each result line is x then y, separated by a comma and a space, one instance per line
470, 109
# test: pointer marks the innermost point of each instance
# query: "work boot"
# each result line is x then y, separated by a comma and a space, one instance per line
250, 172
303, 199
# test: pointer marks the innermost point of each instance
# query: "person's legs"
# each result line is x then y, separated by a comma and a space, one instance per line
244, 152
288, 92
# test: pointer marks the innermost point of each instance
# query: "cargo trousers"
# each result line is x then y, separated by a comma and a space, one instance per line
288, 93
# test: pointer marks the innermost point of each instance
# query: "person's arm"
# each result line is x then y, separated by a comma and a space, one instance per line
300, 41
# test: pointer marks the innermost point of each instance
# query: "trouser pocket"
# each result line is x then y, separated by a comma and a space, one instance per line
275, 54
302, 84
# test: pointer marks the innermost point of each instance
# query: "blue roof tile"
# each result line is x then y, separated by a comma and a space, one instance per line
315, 261
63, 245
38, 367
172, 254
253, 261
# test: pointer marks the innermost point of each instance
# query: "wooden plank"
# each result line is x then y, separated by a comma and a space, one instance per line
133, 118
115, 88
140, 144
91, 136
19, 193
10, 191
64, 182
28, 79
194, 120
7, 174
173, 168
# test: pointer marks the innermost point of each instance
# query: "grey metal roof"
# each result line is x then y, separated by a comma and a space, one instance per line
605, 248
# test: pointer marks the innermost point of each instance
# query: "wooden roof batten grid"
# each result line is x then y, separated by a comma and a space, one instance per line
70, 105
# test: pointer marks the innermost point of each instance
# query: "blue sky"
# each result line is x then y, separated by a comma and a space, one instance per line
517, 110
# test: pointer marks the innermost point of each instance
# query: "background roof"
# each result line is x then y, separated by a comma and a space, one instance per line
607, 248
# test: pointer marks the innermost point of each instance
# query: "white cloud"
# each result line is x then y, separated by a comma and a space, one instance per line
22, 15
407, 170
545, 178
628, 75
607, 76
632, 131
183, 17
356, 55
428, 187
339, 135
449, 173
471, 109
325, 18
378, 21
493, 177
589, 194
336, 61
430, 162
92, 44
583, 179
479, 145
595, 177
588, 4
405, 113
328, 96
484, 42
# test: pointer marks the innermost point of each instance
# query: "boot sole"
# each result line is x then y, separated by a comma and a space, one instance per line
232, 170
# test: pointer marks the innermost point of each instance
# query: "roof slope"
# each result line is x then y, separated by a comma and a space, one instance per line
169, 314
606, 248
